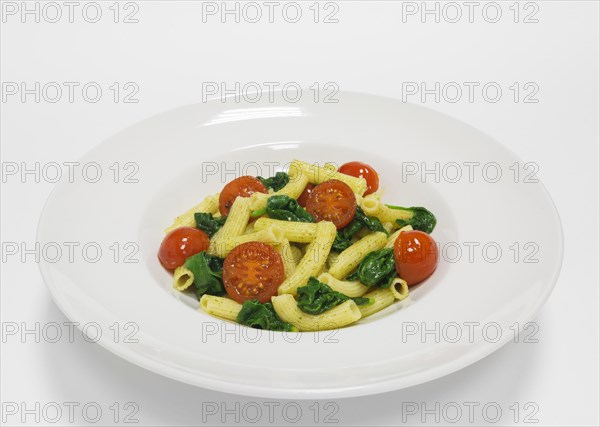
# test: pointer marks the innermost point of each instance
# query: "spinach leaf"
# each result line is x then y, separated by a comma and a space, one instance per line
207, 271
287, 209
276, 182
262, 316
418, 217
208, 223
317, 297
343, 238
377, 268
371, 222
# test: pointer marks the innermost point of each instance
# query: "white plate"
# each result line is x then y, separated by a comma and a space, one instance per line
176, 153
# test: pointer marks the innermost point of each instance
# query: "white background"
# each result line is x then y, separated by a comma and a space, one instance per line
170, 52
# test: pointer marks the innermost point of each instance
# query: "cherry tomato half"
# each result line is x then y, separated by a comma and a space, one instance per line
333, 201
180, 244
416, 256
304, 196
362, 170
244, 186
252, 270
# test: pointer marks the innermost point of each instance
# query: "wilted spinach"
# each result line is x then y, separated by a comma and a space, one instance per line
287, 209
208, 272
208, 223
343, 238
317, 297
262, 316
276, 182
378, 268
418, 217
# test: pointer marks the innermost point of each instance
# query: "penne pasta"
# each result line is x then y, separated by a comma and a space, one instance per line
301, 232
349, 259
342, 315
351, 289
293, 189
182, 278
234, 226
285, 250
224, 308
399, 288
209, 205
272, 236
313, 260
382, 298
374, 207
317, 174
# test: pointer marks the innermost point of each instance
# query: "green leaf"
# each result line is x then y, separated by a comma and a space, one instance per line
343, 238
287, 209
208, 223
276, 182
317, 297
378, 268
262, 316
418, 217
207, 271
371, 222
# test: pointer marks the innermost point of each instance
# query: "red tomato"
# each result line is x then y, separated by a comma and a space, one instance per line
252, 270
333, 201
180, 244
362, 170
244, 186
304, 196
416, 256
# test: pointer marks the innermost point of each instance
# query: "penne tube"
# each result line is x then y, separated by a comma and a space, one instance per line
342, 315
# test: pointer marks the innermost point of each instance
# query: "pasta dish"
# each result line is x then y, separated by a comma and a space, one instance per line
310, 249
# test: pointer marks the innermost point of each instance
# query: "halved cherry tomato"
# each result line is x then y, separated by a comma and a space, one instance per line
416, 256
362, 170
252, 270
180, 244
333, 201
304, 196
244, 186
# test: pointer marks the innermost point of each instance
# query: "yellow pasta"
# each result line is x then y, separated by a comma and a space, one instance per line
296, 254
349, 259
272, 236
237, 220
182, 278
293, 189
374, 207
224, 308
285, 250
249, 228
342, 315
399, 288
388, 226
301, 232
313, 260
317, 174
209, 205
351, 289
382, 298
